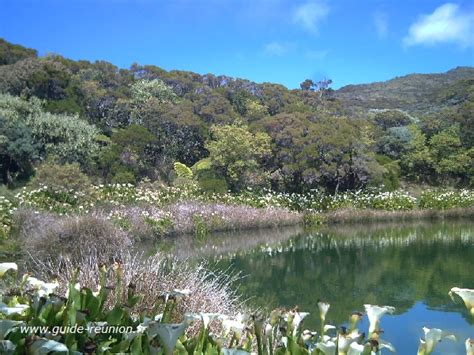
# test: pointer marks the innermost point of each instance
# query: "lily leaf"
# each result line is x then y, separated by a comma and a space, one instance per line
45, 346
6, 327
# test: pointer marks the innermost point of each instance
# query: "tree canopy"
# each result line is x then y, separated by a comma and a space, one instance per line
130, 124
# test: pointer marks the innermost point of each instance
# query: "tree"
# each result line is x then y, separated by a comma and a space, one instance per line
127, 158
17, 151
417, 162
150, 94
307, 85
450, 160
238, 154
323, 152
66, 137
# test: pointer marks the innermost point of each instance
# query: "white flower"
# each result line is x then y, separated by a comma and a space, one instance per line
307, 335
233, 325
467, 296
206, 318
328, 327
469, 346
345, 340
328, 347
4, 267
374, 313
356, 349
168, 333
268, 330
323, 310
432, 337
42, 288
297, 319
17, 309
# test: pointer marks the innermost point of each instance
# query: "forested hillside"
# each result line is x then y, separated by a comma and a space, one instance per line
97, 122
414, 93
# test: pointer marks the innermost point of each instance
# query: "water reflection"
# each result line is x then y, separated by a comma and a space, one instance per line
409, 266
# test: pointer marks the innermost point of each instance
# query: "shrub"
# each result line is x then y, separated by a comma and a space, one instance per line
60, 177
45, 235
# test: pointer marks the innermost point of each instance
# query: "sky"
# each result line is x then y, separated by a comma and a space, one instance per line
279, 41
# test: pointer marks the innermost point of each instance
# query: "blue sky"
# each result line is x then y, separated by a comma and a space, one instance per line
279, 41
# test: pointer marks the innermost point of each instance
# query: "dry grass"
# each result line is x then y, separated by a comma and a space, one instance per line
45, 235
151, 277
221, 217
358, 215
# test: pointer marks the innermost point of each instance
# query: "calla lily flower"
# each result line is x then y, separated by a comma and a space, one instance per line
42, 288
467, 296
344, 341
469, 346
307, 335
374, 313
17, 309
328, 327
168, 333
377, 345
354, 319
356, 349
268, 330
4, 267
323, 310
206, 318
297, 318
328, 347
233, 325
432, 337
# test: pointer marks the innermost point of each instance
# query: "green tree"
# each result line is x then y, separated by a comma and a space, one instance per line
450, 160
17, 151
417, 161
150, 94
126, 158
66, 137
238, 154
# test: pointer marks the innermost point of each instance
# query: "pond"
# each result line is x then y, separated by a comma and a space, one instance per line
410, 266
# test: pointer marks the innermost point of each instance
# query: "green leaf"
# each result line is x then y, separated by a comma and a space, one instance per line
6, 326
115, 316
45, 346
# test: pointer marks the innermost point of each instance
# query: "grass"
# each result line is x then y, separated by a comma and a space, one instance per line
360, 216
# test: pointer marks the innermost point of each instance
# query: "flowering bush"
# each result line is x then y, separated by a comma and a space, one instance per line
446, 199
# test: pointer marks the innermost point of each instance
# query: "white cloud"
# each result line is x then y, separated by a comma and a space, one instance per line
310, 15
448, 23
381, 23
276, 49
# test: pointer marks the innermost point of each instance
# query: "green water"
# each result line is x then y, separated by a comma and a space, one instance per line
411, 267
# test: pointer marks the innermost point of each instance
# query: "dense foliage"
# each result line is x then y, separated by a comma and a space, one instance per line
124, 125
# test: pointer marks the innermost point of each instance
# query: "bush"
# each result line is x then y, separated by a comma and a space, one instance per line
61, 177
48, 236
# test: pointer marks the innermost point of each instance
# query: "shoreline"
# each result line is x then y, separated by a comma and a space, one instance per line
349, 216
